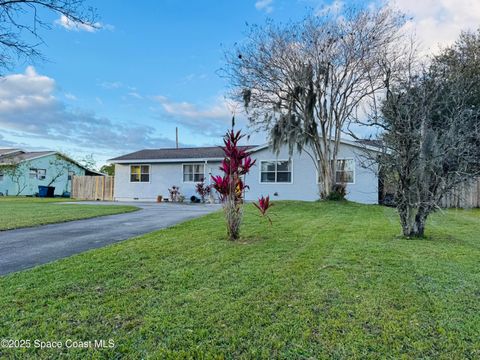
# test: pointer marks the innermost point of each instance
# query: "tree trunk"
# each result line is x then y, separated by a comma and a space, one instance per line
413, 221
325, 180
326, 188
233, 216
419, 225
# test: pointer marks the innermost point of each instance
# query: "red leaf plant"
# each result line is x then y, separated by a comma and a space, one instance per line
263, 206
230, 186
203, 190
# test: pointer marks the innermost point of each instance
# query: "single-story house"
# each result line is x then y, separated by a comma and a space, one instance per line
21, 172
146, 174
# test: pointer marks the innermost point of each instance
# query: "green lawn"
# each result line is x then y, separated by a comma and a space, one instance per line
17, 212
327, 280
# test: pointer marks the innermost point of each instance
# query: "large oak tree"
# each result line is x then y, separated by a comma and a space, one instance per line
305, 81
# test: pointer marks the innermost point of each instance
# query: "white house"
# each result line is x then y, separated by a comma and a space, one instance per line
146, 174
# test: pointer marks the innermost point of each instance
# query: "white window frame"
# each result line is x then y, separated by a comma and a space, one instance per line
194, 173
276, 161
354, 172
34, 174
140, 182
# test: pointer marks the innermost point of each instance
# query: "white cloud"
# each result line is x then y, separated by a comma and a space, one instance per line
264, 5
439, 22
210, 120
28, 106
217, 110
110, 85
70, 96
135, 95
333, 8
71, 25
4, 143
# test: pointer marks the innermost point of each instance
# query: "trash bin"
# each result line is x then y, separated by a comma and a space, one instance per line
42, 191
46, 191
50, 191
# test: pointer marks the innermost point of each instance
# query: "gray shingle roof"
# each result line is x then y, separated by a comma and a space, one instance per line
210, 152
6, 151
22, 156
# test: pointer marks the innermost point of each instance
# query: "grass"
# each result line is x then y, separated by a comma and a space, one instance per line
18, 212
327, 280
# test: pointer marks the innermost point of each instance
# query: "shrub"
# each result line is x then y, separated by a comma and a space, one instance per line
338, 193
203, 190
263, 206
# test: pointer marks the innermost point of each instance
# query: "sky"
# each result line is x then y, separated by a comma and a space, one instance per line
152, 66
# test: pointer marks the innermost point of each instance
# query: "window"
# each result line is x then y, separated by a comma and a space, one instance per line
139, 173
71, 174
345, 171
193, 172
276, 171
39, 174
1, 176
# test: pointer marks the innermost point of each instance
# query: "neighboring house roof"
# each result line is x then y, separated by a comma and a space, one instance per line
8, 151
19, 156
203, 153
15, 156
174, 154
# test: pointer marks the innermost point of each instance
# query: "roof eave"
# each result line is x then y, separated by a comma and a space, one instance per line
150, 161
342, 141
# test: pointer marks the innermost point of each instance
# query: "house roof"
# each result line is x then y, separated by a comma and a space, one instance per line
14, 157
8, 151
371, 142
174, 154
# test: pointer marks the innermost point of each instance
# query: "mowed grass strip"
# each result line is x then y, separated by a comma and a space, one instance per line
18, 212
327, 280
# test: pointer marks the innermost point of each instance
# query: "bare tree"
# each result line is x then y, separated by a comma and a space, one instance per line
303, 82
18, 173
20, 19
431, 133
60, 165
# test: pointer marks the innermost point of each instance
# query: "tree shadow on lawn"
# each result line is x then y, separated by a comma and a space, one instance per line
430, 238
244, 239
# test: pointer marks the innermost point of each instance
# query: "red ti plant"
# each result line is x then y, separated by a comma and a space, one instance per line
202, 189
230, 186
263, 205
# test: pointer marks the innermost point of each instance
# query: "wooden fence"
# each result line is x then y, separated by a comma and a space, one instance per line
464, 196
92, 187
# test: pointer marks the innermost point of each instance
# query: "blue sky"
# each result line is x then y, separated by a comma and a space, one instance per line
152, 67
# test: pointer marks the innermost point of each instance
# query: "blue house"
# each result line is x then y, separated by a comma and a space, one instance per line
22, 172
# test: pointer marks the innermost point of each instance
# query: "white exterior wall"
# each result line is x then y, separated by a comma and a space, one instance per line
162, 177
304, 178
303, 187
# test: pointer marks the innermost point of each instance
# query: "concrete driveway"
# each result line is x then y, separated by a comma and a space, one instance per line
24, 248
